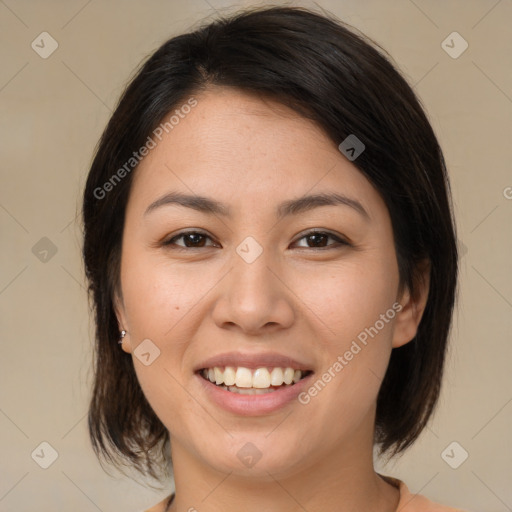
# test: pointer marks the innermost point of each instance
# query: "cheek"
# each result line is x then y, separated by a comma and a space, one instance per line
353, 308
159, 303
156, 307
348, 298
157, 295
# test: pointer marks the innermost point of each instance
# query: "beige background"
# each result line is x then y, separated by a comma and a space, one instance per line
52, 112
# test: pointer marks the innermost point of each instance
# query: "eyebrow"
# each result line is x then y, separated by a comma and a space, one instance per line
287, 208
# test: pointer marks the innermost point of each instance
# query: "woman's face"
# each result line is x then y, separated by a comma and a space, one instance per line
252, 289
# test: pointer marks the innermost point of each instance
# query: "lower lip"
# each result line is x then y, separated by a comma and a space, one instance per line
253, 405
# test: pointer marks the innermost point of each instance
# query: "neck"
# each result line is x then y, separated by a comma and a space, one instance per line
341, 478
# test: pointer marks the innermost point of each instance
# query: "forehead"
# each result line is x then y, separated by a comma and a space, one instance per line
234, 142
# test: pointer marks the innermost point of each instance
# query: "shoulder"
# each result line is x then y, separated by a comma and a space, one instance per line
416, 502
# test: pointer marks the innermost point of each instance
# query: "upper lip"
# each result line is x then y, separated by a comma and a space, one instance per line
253, 361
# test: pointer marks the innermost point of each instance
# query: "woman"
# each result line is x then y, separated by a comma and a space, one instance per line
268, 234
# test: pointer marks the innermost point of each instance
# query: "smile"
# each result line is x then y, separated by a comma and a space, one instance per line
253, 382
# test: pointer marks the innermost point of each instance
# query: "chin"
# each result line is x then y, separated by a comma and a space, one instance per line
253, 456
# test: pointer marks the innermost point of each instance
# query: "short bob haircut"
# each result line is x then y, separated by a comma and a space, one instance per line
340, 80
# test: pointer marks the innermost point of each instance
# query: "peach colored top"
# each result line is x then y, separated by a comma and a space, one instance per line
408, 502
416, 502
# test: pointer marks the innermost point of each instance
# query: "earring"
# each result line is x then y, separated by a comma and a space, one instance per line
123, 334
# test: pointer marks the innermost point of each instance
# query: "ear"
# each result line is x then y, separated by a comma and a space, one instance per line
121, 321
413, 306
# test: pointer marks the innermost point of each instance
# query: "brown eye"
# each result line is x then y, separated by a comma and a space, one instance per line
197, 240
318, 239
191, 239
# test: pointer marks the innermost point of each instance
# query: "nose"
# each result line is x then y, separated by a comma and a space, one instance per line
254, 297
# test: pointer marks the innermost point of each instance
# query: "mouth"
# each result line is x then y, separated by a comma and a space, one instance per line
246, 381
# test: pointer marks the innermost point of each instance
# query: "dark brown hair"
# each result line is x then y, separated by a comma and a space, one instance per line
341, 80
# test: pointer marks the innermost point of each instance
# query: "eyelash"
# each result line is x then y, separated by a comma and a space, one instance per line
340, 242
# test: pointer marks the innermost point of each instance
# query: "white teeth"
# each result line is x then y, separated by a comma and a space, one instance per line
276, 377
289, 373
234, 378
261, 378
249, 391
219, 378
243, 378
229, 376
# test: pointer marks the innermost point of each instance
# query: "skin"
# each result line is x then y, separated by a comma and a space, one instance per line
294, 298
